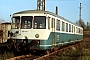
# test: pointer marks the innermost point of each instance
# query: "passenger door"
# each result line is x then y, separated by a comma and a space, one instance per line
53, 31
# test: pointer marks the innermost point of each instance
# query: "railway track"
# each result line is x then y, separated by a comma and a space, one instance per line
39, 57
24, 57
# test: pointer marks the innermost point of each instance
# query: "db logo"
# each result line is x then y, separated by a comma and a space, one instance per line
37, 35
58, 36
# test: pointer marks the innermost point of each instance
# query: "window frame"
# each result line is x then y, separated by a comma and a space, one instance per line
57, 24
16, 26
39, 23
72, 28
69, 27
26, 23
66, 27
63, 26
49, 18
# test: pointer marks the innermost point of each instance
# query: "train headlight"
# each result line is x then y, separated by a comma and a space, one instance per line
37, 35
17, 32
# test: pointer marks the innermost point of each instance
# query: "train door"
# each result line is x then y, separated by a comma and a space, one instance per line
53, 31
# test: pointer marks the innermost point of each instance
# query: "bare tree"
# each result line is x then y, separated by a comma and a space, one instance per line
88, 25
2, 20
80, 23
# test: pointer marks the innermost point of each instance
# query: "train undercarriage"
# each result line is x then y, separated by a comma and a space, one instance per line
25, 46
21, 45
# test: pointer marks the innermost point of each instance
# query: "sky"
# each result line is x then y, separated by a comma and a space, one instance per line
68, 9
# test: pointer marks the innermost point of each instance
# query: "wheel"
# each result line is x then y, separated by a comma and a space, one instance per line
9, 46
9, 41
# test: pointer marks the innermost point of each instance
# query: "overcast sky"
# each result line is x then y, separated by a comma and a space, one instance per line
67, 8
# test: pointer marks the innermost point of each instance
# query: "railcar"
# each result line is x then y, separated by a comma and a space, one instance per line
43, 30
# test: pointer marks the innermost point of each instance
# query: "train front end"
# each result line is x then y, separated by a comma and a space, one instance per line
30, 29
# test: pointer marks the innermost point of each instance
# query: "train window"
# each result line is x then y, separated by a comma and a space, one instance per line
26, 22
53, 23
72, 28
58, 25
48, 22
39, 22
69, 28
15, 22
79, 30
76, 30
66, 27
63, 25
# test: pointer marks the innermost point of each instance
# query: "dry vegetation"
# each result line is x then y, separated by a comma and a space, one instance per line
6, 55
79, 52
86, 34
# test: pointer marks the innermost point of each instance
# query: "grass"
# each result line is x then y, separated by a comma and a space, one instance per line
86, 34
6, 55
79, 52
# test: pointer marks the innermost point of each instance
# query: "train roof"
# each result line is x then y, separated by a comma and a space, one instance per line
45, 12
6, 23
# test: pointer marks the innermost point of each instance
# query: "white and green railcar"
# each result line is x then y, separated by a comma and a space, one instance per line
43, 29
